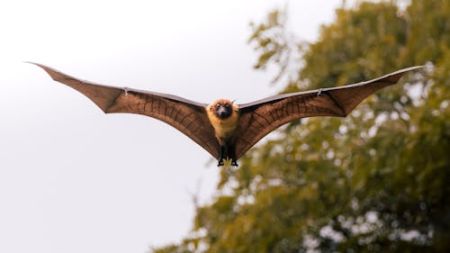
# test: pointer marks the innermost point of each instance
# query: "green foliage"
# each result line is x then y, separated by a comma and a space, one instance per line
274, 44
376, 181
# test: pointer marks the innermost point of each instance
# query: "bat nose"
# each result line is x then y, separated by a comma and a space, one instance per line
223, 112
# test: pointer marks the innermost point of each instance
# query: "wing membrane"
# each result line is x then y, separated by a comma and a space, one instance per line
263, 116
187, 116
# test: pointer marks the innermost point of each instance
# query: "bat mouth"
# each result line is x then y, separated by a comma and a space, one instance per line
223, 112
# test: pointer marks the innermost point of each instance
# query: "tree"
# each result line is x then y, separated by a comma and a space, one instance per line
376, 181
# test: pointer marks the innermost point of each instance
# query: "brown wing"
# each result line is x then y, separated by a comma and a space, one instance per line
187, 116
263, 116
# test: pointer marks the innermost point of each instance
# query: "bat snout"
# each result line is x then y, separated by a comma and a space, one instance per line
223, 112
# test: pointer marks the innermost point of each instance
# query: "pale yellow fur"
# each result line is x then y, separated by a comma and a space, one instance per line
223, 128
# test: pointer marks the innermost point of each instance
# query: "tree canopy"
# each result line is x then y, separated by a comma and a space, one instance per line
376, 181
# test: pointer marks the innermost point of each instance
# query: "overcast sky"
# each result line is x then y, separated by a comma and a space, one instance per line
75, 180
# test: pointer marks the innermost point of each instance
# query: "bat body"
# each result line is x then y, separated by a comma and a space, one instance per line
223, 128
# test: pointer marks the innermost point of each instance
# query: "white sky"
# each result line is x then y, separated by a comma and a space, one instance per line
74, 180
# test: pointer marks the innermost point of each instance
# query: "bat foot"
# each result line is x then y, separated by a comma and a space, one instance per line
234, 163
220, 163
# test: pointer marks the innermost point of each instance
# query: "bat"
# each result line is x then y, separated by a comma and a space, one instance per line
223, 128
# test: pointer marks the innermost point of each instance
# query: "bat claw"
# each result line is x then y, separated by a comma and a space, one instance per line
234, 163
319, 92
220, 163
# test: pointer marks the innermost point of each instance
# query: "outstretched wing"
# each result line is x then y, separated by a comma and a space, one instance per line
187, 116
261, 117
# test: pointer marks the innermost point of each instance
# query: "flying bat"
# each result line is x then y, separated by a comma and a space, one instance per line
223, 128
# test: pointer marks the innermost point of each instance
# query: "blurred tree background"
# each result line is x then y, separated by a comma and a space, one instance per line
376, 181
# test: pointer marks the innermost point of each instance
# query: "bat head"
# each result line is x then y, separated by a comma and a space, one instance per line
223, 108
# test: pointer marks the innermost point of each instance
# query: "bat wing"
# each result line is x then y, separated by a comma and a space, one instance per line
187, 116
261, 117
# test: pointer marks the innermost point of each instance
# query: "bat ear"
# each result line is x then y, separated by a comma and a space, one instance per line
234, 105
